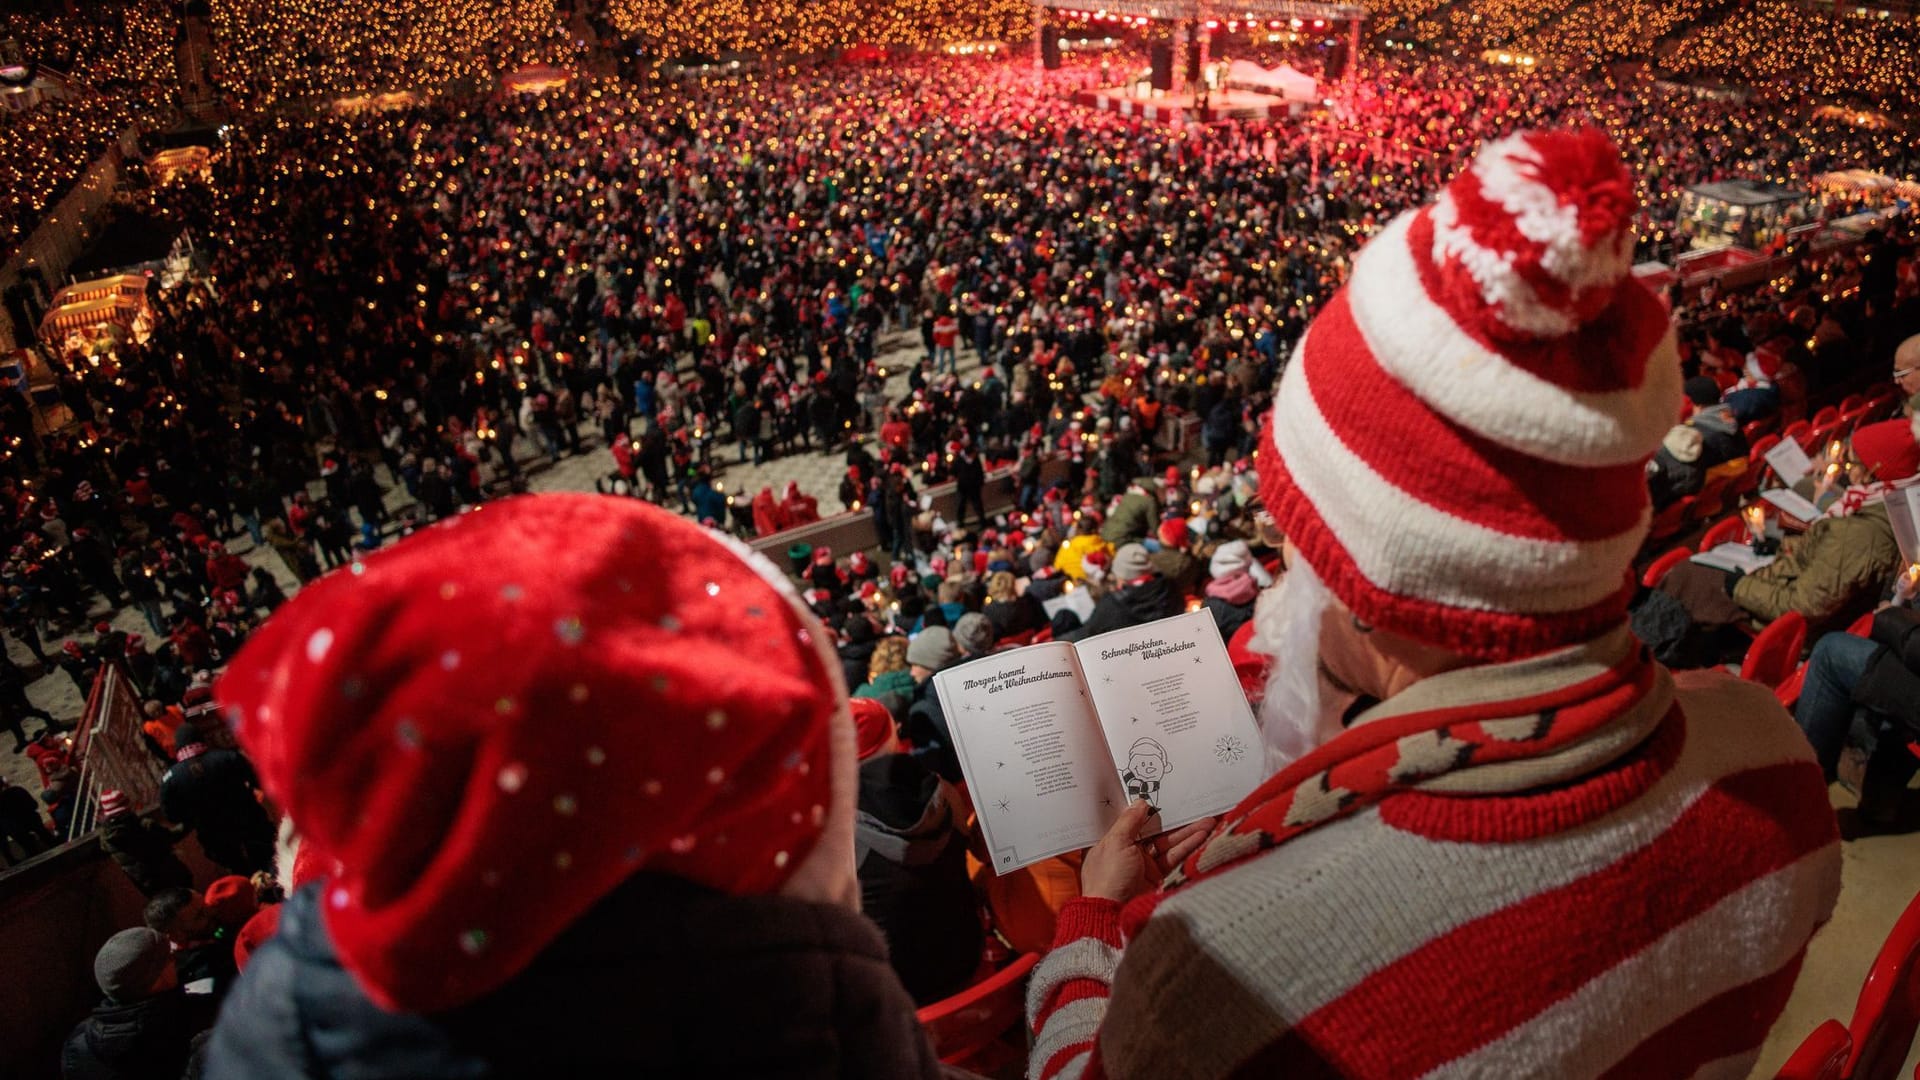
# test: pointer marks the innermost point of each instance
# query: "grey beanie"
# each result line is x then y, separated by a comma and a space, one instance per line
131, 962
932, 648
1131, 563
974, 634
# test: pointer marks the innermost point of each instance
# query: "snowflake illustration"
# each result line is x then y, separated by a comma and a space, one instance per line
1229, 749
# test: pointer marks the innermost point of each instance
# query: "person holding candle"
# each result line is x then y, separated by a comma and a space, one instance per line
1830, 573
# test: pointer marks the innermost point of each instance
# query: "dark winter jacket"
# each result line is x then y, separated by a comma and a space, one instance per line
663, 978
913, 876
1141, 602
1019, 615
213, 794
1891, 684
1229, 617
144, 849
926, 728
145, 1040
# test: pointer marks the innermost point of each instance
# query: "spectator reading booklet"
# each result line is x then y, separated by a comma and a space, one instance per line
1056, 739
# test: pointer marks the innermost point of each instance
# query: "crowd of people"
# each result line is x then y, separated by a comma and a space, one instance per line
685, 275
303, 52
1448, 694
117, 68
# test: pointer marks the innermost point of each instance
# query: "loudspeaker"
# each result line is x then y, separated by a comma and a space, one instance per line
1162, 65
1192, 61
1049, 51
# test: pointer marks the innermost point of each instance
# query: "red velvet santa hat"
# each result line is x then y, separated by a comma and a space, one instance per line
493, 723
1174, 532
1459, 446
873, 727
232, 899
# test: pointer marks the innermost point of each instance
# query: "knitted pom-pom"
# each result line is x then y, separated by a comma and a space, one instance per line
1532, 240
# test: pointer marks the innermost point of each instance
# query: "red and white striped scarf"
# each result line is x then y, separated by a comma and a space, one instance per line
1859, 495
1567, 721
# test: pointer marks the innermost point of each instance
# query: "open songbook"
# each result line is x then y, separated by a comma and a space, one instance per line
1056, 739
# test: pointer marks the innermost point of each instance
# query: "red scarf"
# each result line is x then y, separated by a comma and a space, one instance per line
1577, 708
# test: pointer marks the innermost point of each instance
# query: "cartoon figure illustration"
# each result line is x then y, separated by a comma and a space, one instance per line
1147, 764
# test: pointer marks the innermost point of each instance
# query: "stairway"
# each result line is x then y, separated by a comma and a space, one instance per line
194, 63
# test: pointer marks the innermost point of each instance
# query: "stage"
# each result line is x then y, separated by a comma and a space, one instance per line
1172, 108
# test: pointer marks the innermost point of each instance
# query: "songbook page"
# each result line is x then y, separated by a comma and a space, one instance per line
1793, 504
1176, 721
1031, 748
1789, 462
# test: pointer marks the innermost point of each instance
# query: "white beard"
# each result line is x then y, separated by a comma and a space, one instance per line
1297, 712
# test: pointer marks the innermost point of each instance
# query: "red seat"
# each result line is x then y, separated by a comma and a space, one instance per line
1822, 1056
1801, 432
1826, 416
1711, 500
1775, 651
1659, 567
1853, 418
1045, 633
1757, 452
1885, 1015
1852, 402
1025, 637
968, 1028
1724, 530
1762, 428
1668, 521
1788, 693
1822, 436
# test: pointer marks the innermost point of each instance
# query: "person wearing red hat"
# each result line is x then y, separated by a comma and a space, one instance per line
79, 666
1483, 790
227, 571
1171, 559
1842, 561
548, 802
201, 949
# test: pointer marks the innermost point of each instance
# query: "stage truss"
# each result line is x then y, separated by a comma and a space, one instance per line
1195, 20
1216, 10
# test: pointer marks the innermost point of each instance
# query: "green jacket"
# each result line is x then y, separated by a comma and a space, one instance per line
893, 682
1819, 574
1136, 518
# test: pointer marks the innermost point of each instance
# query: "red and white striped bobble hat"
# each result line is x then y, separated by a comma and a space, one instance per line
1458, 448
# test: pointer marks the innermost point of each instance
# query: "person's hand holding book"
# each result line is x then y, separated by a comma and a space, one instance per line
1122, 865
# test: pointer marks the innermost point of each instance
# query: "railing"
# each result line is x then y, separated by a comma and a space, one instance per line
112, 750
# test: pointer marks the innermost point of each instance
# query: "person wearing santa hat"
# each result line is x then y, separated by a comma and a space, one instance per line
1836, 568
1485, 792
1171, 559
549, 806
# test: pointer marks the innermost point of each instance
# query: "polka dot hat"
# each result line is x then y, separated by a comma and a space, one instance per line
487, 727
